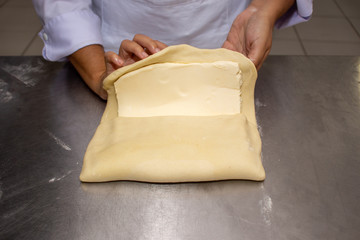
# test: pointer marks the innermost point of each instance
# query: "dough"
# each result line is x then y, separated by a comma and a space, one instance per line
181, 115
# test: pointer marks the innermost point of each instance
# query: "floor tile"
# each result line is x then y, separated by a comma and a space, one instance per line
2, 2
332, 48
327, 29
19, 3
19, 19
286, 47
351, 8
14, 43
285, 34
35, 49
326, 8
356, 23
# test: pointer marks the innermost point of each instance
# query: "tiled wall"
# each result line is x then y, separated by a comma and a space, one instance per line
333, 30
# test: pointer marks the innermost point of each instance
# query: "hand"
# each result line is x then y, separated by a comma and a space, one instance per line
251, 35
90, 63
132, 51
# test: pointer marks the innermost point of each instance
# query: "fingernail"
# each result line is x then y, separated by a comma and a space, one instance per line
144, 54
157, 49
119, 61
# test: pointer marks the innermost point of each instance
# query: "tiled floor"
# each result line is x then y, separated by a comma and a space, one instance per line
333, 30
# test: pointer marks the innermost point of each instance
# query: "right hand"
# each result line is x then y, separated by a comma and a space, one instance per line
132, 51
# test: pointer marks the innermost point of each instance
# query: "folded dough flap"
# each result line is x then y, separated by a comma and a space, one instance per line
178, 121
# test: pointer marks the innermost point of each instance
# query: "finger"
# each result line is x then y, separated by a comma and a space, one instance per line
103, 94
146, 42
228, 45
256, 52
255, 60
235, 41
259, 54
130, 61
161, 45
129, 48
114, 59
263, 60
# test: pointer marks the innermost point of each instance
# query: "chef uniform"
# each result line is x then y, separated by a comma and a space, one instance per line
70, 25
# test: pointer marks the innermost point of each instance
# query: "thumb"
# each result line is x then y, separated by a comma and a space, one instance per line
259, 50
256, 54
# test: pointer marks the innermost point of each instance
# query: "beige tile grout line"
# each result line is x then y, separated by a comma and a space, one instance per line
3, 3
31, 41
347, 19
299, 39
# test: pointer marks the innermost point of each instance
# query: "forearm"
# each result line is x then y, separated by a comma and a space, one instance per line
273, 9
90, 64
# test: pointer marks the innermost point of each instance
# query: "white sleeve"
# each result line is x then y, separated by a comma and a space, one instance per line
68, 25
301, 11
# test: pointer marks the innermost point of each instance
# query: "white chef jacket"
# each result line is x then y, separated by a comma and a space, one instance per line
70, 25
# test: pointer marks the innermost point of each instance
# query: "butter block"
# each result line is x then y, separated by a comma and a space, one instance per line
180, 89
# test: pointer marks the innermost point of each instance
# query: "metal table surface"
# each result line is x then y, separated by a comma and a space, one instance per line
308, 110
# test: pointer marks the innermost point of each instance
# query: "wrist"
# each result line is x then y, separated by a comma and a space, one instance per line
90, 64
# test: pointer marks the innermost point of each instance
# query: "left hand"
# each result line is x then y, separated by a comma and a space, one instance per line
251, 35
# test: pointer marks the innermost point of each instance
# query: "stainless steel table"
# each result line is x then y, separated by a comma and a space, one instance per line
308, 110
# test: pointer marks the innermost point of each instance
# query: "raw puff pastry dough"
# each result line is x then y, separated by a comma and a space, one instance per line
135, 143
